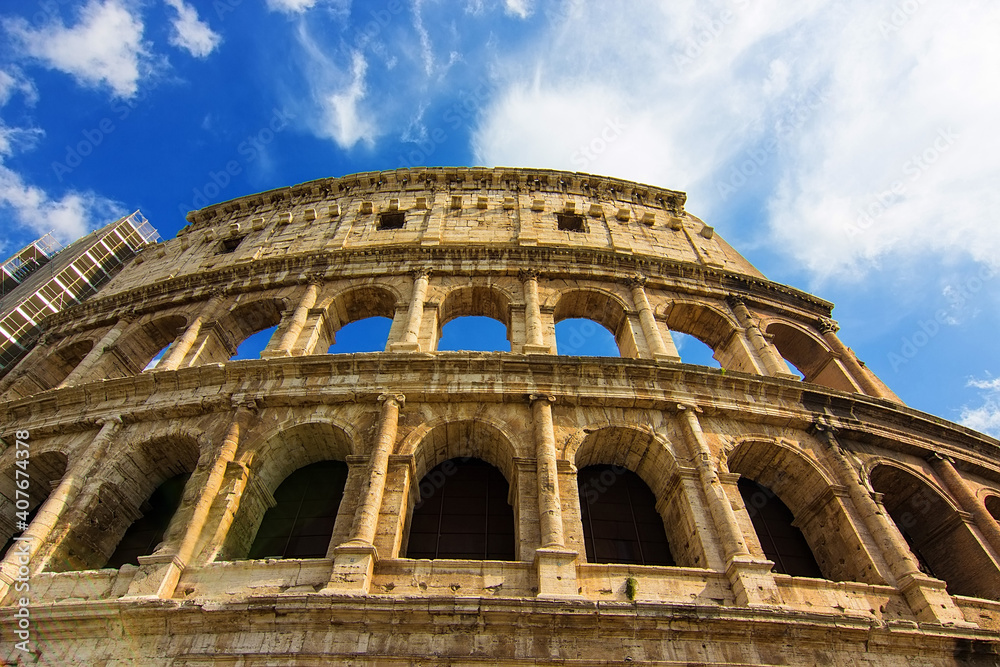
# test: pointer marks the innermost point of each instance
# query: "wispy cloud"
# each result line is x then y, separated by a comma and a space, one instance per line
986, 417
14, 81
344, 120
824, 106
191, 33
302, 6
519, 8
104, 48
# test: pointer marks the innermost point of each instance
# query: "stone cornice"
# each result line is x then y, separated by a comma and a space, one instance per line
574, 381
293, 269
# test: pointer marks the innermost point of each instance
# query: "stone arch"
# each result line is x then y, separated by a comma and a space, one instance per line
351, 305
470, 439
219, 339
992, 503
109, 504
817, 502
44, 470
270, 461
603, 307
651, 458
137, 346
58, 364
810, 355
940, 536
715, 329
477, 301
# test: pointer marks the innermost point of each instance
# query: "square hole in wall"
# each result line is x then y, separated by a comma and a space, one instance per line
394, 220
571, 223
229, 245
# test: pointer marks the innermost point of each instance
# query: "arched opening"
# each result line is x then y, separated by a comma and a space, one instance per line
133, 352
242, 333
251, 346
357, 320
712, 328
620, 521
942, 542
58, 365
578, 336
993, 507
694, 351
146, 532
463, 513
43, 472
282, 467
485, 320
787, 476
300, 524
781, 541
474, 334
367, 335
628, 464
120, 495
155, 361
810, 357
595, 307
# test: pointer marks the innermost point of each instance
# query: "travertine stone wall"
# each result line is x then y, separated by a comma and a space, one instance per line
847, 458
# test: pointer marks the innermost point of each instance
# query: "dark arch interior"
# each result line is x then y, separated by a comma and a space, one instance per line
300, 524
147, 531
620, 521
782, 542
462, 513
993, 507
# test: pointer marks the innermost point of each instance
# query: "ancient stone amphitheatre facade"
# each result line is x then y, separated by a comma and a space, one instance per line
414, 506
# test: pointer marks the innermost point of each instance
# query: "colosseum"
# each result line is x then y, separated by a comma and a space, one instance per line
414, 506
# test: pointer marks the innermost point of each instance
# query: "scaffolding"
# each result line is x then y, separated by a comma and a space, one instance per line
43, 278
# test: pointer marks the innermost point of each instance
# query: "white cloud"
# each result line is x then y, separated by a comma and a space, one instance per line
68, 217
344, 120
338, 109
190, 33
986, 417
105, 47
520, 8
14, 81
290, 6
816, 108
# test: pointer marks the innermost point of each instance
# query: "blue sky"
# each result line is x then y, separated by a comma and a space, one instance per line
848, 148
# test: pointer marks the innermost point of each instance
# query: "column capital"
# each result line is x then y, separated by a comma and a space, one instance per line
316, 278
126, 315
420, 273
111, 419
827, 325
735, 300
636, 280
936, 457
534, 398
528, 274
397, 399
244, 404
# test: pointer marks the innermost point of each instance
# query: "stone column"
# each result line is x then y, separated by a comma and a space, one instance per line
772, 360
175, 355
751, 579
556, 565
55, 506
829, 329
944, 466
925, 595
96, 352
532, 314
159, 572
654, 340
354, 561
414, 314
297, 322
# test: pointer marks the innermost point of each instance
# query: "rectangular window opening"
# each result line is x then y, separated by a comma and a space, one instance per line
229, 245
391, 220
570, 223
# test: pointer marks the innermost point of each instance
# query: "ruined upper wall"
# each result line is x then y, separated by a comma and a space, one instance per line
441, 207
